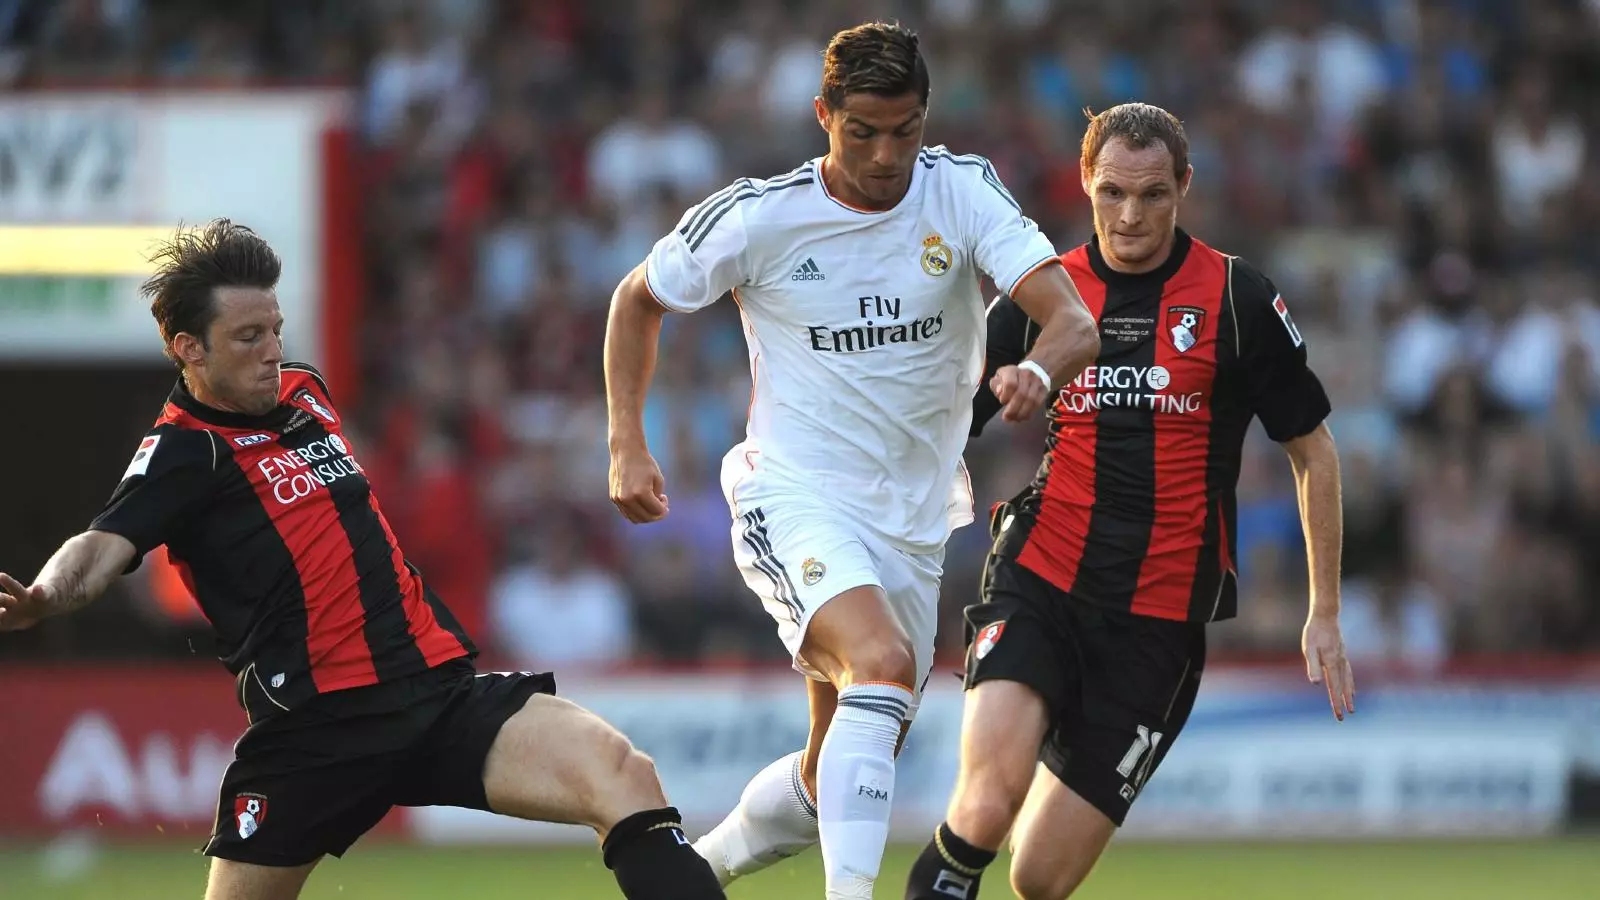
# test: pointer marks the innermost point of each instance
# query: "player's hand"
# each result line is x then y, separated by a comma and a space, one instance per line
637, 488
23, 607
1326, 663
1021, 392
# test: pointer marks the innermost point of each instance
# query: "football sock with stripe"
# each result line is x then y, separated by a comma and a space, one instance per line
776, 818
652, 860
855, 785
948, 869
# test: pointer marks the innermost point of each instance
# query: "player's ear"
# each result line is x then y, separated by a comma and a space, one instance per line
821, 106
1188, 178
188, 349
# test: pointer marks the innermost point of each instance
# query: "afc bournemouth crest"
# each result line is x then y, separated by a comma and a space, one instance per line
1186, 324
812, 571
249, 811
936, 257
987, 638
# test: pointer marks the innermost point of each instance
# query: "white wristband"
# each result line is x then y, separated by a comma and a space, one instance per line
1038, 370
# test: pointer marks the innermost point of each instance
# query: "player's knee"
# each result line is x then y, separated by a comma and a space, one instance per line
637, 773
988, 807
888, 659
1036, 877
621, 779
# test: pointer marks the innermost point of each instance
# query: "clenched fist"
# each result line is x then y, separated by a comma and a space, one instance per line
1021, 391
637, 487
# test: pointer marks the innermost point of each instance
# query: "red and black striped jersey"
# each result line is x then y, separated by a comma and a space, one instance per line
1134, 505
276, 533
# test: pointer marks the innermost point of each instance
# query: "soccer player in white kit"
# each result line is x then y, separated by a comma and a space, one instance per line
856, 277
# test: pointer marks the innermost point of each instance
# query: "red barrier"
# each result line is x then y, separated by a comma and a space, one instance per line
136, 751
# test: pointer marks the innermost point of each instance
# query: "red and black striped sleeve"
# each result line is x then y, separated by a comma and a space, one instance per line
1285, 394
173, 471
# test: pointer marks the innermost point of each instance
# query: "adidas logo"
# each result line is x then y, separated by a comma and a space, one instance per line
808, 271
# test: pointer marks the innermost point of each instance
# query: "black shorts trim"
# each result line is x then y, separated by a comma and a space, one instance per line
1118, 687
311, 781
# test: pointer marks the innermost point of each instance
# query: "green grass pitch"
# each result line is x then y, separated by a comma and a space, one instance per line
1566, 869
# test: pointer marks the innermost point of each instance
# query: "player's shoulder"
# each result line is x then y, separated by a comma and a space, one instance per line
303, 373
961, 172
1258, 303
1249, 288
173, 444
942, 160
752, 195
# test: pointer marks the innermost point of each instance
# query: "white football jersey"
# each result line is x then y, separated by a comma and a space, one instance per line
866, 332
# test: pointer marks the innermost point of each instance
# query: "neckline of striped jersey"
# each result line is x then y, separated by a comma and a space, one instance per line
821, 163
1181, 242
186, 401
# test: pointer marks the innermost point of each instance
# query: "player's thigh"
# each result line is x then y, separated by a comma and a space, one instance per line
912, 585
820, 583
233, 880
1003, 723
554, 761
1057, 840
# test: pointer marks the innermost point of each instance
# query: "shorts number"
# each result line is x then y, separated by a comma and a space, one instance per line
1135, 765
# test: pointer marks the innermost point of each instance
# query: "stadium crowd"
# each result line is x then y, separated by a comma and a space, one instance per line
1410, 172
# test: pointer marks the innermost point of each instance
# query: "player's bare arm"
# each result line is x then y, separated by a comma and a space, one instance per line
633, 330
74, 577
1316, 475
1068, 341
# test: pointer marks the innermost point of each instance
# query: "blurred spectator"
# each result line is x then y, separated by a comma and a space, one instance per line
649, 148
554, 608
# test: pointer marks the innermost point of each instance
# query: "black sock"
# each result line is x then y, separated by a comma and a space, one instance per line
948, 869
653, 860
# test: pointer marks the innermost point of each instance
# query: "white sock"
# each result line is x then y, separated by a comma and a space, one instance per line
855, 785
776, 818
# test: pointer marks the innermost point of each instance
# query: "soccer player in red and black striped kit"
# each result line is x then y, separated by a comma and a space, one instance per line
358, 685
1087, 649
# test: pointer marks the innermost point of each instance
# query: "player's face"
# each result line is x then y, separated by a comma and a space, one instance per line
239, 369
1135, 197
872, 146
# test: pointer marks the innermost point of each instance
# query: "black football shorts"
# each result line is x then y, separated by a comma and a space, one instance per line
312, 780
1118, 687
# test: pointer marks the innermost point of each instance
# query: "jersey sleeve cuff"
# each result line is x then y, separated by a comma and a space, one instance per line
656, 294
1029, 271
139, 545
1314, 409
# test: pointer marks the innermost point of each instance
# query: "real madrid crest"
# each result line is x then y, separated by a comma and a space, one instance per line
812, 571
936, 257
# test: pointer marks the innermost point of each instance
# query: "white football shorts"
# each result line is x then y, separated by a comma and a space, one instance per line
796, 556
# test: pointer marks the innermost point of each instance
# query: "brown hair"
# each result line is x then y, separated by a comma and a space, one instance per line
1140, 125
190, 267
874, 58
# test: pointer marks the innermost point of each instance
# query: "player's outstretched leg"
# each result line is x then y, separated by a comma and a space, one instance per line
776, 817
1002, 727
858, 644
553, 761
